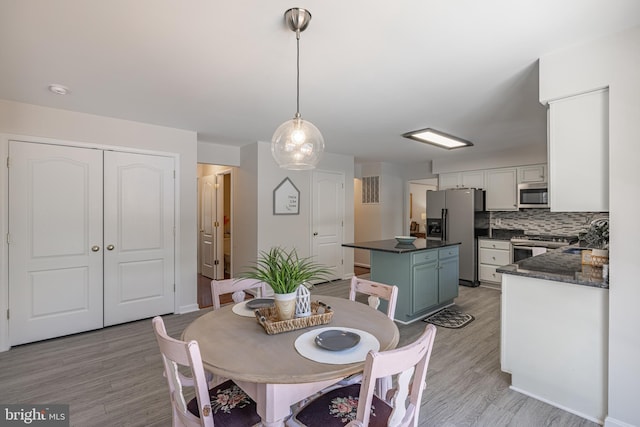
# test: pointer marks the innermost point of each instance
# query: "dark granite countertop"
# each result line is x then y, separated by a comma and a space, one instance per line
392, 245
559, 266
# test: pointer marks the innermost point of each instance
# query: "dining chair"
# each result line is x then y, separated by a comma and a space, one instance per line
375, 291
236, 287
357, 404
225, 403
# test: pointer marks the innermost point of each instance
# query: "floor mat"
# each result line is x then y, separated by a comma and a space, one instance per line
450, 318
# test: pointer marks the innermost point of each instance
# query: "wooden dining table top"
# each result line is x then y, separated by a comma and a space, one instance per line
238, 347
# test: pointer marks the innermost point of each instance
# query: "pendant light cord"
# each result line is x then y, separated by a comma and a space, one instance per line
297, 73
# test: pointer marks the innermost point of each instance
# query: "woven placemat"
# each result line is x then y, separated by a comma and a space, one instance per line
450, 318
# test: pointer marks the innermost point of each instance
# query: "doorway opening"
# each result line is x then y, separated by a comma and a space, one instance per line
215, 226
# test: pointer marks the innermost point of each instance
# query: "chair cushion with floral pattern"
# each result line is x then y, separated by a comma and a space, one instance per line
339, 406
231, 406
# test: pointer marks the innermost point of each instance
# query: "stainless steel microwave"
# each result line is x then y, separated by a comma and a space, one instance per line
535, 195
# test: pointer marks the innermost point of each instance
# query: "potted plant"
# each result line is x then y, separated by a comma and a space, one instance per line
285, 271
597, 238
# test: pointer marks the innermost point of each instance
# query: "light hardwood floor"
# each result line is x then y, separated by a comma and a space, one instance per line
113, 376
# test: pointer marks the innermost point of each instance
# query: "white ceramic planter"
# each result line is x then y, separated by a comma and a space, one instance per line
285, 305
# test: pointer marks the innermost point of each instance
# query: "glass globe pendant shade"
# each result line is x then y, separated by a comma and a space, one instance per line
297, 144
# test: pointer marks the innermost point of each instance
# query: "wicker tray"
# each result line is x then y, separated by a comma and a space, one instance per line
268, 318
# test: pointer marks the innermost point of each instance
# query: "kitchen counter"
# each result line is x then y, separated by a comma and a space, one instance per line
556, 265
554, 331
392, 245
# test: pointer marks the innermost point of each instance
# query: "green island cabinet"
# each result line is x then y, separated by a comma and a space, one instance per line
427, 280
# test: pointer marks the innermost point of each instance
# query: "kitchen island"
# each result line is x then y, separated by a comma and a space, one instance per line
426, 273
554, 331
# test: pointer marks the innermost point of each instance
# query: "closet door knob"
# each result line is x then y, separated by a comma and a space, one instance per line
95, 248
110, 247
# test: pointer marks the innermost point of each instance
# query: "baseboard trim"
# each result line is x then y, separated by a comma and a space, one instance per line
564, 408
188, 308
359, 264
612, 422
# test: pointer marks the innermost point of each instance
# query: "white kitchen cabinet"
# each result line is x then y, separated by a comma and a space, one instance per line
578, 150
469, 179
532, 173
449, 180
501, 190
473, 179
491, 255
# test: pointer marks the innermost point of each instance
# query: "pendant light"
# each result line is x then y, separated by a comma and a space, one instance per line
297, 144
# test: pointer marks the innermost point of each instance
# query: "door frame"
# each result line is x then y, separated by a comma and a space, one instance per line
4, 216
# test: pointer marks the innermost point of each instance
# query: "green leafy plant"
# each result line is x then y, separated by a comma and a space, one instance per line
285, 271
597, 236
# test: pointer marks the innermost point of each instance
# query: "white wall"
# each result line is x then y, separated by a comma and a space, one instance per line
525, 155
385, 219
613, 62
90, 130
217, 154
419, 202
259, 229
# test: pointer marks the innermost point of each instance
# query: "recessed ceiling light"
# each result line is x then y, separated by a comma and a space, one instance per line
437, 138
59, 89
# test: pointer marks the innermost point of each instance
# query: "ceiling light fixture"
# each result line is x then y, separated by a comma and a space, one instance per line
297, 144
58, 89
437, 138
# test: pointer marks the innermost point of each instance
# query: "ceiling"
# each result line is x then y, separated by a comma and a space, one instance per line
370, 70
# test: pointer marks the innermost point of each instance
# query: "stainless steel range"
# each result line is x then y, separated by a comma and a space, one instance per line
528, 245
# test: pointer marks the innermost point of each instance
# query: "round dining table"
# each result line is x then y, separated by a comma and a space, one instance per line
268, 367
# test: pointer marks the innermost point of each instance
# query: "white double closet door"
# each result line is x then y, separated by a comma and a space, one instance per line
91, 239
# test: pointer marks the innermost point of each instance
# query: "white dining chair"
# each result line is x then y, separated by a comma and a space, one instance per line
224, 403
236, 287
357, 404
375, 291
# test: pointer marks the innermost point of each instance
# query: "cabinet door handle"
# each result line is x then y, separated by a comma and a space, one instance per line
110, 247
95, 248
315, 234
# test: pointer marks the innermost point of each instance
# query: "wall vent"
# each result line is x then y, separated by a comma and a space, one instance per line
371, 190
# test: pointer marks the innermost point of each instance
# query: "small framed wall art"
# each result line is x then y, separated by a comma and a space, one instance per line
286, 198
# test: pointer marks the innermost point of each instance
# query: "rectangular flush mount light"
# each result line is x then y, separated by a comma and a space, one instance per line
440, 139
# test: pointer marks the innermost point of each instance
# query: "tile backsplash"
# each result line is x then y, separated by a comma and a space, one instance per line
541, 221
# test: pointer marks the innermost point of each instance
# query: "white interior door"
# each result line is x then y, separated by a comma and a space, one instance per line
220, 240
207, 230
55, 234
328, 220
138, 236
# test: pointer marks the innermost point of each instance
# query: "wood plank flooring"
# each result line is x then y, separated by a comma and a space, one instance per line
113, 376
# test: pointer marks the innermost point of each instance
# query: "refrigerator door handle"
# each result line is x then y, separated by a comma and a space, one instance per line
444, 225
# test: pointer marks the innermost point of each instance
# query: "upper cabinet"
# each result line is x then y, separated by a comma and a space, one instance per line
470, 179
533, 173
578, 150
473, 179
449, 180
501, 194
500, 185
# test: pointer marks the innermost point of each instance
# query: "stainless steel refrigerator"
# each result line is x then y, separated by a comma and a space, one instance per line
451, 216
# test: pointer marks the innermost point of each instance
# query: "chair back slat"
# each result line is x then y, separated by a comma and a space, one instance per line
375, 291
234, 286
